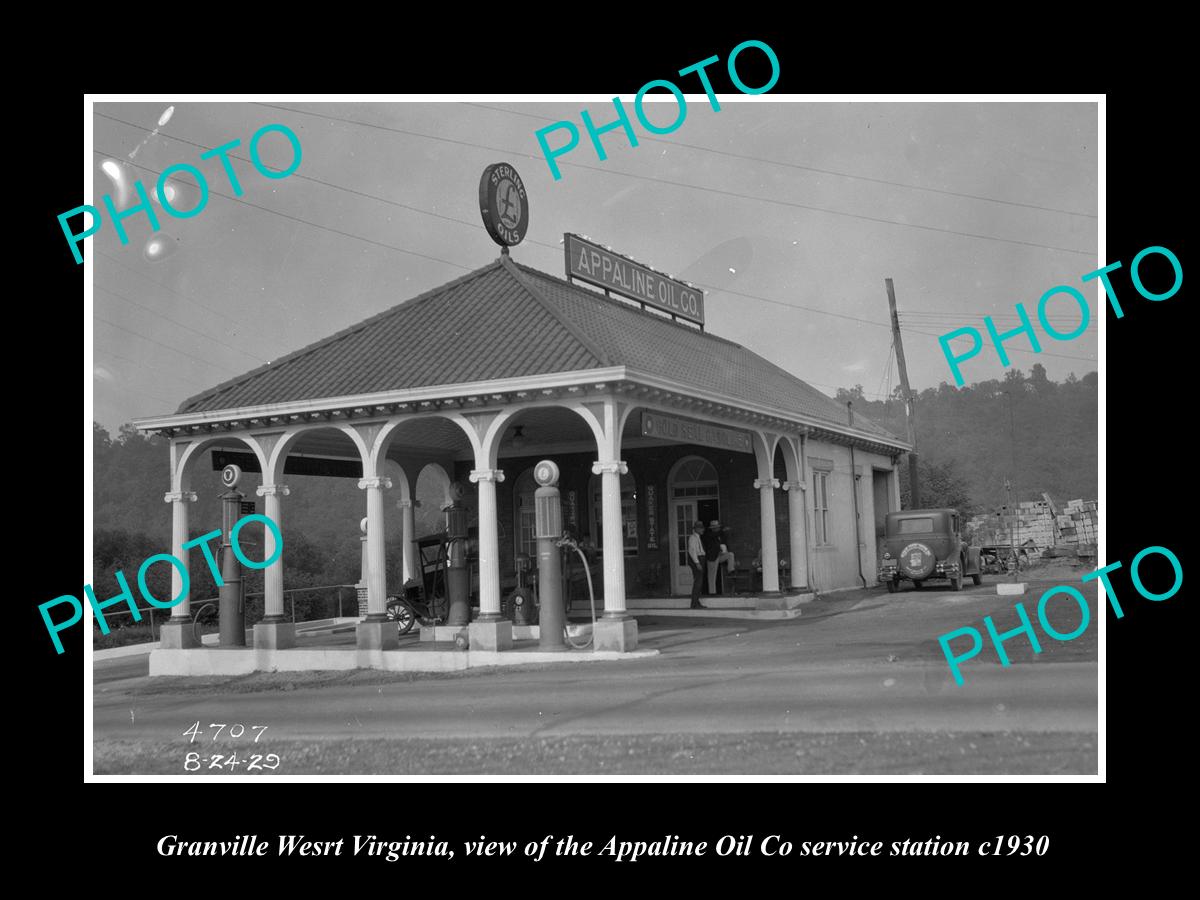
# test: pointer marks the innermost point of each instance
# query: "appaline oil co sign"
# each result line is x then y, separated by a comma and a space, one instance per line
592, 263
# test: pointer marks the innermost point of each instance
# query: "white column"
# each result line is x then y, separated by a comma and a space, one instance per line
766, 517
273, 575
179, 536
489, 544
408, 538
796, 529
376, 555
610, 472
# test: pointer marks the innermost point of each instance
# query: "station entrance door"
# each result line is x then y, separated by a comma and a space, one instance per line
693, 495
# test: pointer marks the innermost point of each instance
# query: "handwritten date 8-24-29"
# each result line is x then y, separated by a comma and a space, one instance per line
194, 762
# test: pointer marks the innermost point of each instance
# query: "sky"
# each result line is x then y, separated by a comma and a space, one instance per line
790, 215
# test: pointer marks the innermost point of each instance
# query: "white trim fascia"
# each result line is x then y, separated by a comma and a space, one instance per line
674, 388
411, 395
502, 386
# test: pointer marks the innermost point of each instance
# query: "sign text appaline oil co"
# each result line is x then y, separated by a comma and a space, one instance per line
596, 265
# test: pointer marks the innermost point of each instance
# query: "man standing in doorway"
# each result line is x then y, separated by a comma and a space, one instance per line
696, 560
712, 549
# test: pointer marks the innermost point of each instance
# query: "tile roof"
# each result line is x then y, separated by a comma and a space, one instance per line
652, 343
507, 320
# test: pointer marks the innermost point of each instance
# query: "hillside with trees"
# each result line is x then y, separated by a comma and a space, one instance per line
971, 439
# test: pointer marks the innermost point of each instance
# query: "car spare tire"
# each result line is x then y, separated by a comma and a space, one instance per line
917, 560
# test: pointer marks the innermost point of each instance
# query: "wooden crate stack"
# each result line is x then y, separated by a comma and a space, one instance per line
1036, 525
1077, 522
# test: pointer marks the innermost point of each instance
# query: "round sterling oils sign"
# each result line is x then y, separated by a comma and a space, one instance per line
502, 203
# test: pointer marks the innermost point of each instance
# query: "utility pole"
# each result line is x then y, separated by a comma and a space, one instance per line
1012, 434
915, 487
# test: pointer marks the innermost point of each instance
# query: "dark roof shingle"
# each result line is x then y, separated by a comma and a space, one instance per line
507, 321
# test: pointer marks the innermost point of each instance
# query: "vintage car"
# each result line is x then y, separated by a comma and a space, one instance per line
920, 544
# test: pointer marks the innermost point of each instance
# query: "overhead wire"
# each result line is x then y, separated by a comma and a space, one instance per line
887, 368
954, 312
696, 187
156, 341
301, 176
1090, 359
123, 387
530, 240
955, 324
202, 334
137, 362
177, 293
284, 215
958, 320
548, 246
805, 168
473, 225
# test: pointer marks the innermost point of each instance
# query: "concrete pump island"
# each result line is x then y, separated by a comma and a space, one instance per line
562, 417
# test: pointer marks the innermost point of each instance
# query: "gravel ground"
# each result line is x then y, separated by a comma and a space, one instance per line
905, 753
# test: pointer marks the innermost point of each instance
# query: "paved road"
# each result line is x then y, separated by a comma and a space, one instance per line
860, 663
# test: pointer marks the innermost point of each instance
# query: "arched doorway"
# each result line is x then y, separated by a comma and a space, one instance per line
432, 493
693, 492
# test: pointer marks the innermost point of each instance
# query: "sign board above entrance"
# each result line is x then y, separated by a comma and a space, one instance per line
687, 431
592, 263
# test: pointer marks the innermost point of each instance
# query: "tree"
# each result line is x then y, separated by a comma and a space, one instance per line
941, 486
1052, 427
117, 550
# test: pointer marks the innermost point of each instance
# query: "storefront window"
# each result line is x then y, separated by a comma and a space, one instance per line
821, 507
525, 531
629, 529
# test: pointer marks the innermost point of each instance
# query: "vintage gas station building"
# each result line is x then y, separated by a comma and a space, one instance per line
653, 423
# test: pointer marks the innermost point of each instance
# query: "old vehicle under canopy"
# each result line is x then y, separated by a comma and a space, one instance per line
920, 544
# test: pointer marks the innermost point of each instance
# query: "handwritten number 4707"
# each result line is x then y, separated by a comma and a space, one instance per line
236, 730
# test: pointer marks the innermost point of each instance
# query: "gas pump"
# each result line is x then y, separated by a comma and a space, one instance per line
548, 530
458, 578
524, 611
231, 594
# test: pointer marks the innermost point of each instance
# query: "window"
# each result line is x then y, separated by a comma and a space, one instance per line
629, 532
916, 526
821, 508
525, 531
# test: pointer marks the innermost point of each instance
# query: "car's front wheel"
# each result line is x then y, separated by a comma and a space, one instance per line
399, 612
956, 582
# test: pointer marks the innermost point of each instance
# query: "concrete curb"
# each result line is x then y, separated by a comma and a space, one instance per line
749, 614
303, 629
245, 661
137, 649
747, 602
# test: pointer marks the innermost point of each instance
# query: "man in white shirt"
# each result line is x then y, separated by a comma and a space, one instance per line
696, 562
